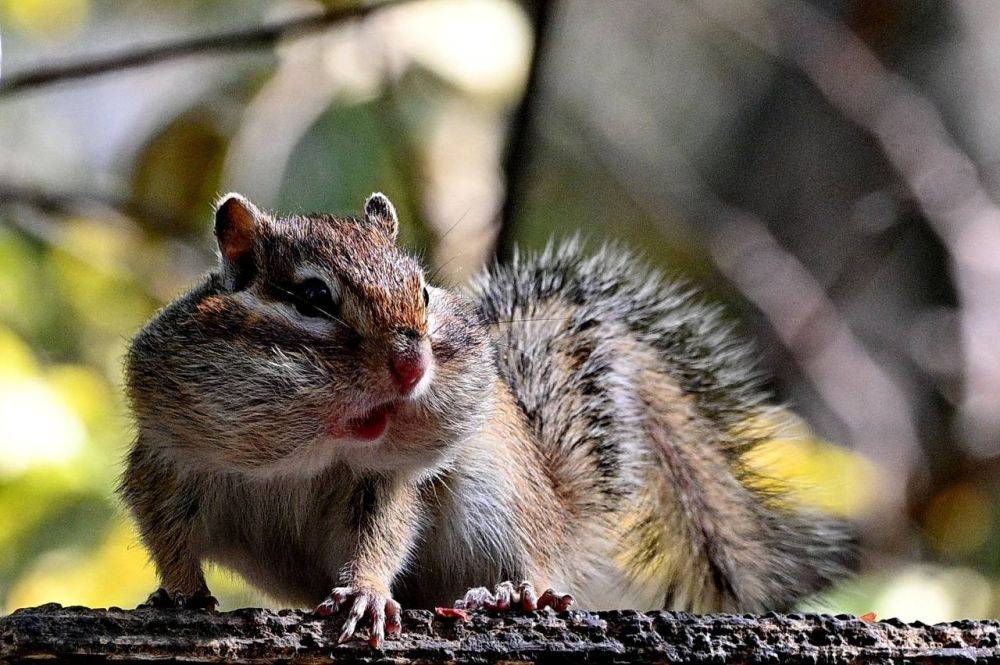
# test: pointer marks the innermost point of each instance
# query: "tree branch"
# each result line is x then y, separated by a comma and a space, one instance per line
20, 208
76, 634
74, 203
237, 40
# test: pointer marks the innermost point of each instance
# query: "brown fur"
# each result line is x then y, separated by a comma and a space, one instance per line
578, 428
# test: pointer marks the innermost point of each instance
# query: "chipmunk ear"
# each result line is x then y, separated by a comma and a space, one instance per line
236, 222
379, 210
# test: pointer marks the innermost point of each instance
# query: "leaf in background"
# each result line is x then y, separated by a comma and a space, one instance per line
101, 298
818, 473
42, 512
342, 159
176, 175
106, 567
27, 302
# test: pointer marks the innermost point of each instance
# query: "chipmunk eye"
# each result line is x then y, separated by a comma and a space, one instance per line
314, 298
427, 297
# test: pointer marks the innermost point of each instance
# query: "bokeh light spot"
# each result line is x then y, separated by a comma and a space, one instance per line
36, 427
47, 19
958, 519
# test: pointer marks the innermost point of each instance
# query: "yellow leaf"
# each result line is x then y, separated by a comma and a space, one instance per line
47, 19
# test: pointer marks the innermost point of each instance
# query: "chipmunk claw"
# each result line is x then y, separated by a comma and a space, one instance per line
528, 597
382, 612
505, 597
174, 600
393, 617
558, 602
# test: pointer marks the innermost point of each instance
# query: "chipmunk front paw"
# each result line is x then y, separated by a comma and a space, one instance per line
506, 596
381, 611
175, 600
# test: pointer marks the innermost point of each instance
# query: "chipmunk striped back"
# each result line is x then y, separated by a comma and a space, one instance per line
641, 396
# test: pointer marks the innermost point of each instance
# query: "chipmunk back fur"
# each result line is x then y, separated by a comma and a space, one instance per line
648, 406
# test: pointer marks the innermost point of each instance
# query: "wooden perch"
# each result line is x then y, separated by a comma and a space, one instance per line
77, 634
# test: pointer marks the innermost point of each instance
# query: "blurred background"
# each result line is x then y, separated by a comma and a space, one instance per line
827, 170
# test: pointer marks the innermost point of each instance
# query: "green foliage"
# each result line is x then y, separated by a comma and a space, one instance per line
178, 171
342, 158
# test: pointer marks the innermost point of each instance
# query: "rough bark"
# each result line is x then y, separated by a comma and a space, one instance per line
77, 634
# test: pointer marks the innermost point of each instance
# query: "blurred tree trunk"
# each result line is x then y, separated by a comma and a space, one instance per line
517, 165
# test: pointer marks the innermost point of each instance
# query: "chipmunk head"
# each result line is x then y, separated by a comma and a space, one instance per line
317, 340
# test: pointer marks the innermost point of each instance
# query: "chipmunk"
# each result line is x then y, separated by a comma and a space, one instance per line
317, 417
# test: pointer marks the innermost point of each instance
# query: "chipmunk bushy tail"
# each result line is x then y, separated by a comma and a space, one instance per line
646, 411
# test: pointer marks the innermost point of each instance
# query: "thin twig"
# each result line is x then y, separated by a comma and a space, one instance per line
236, 40
72, 203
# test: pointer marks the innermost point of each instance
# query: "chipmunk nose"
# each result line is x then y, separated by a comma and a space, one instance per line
409, 367
407, 370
